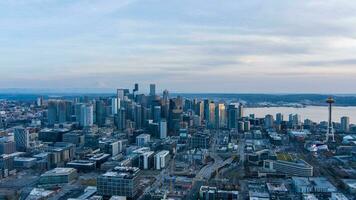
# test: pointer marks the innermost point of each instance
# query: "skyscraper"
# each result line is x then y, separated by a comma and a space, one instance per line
52, 112
22, 138
269, 121
163, 129
241, 111
152, 89
86, 115
211, 114
279, 118
206, 111
114, 106
62, 116
120, 96
220, 116
231, 116
157, 114
345, 124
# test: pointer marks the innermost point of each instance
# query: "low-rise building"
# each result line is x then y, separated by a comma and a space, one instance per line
58, 176
122, 181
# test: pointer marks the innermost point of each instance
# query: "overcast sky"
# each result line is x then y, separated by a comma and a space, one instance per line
278, 46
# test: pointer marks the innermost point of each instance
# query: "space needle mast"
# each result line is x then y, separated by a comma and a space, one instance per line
330, 131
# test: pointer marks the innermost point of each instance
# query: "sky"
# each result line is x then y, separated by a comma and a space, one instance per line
230, 46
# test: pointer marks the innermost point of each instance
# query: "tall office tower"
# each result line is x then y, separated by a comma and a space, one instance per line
220, 116
121, 119
114, 107
279, 118
175, 114
206, 110
269, 121
69, 110
157, 114
330, 131
152, 90
201, 110
62, 112
39, 101
211, 114
52, 112
135, 90
22, 138
231, 116
345, 124
165, 104
120, 97
100, 113
296, 120
138, 116
163, 129
241, 111
77, 111
86, 115
247, 126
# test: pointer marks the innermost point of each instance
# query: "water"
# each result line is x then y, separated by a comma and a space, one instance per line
314, 113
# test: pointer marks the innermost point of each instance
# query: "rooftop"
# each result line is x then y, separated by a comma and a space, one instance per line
122, 172
59, 171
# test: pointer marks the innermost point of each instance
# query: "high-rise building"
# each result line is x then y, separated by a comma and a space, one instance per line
156, 114
100, 112
22, 138
211, 114
120, 96
120, 119
269, 121
206, 111
152, 89
86, 115
241, 111
163, 129
62, 112
345, 124
114, 106
279, 118
165, 104
232, 116
52, 114
143, 139
138, 118
161, 159
220, 116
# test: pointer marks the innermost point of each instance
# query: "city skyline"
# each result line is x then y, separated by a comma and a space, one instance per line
201, 46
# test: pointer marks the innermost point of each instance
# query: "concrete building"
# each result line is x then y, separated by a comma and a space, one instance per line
213, 193
122, 181
163, 129
58, 176
161, 159
312, 185
143, 139
345, 124
288, 165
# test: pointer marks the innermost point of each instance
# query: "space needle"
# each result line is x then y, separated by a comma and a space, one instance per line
330, 131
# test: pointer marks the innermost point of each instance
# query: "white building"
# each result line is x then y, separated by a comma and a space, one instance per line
114, 106
143, 139
163, 129
86, 115
161, 159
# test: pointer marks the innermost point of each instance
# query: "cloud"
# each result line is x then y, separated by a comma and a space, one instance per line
182, 44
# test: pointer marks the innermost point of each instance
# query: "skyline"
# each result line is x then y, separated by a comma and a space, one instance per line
193, 47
